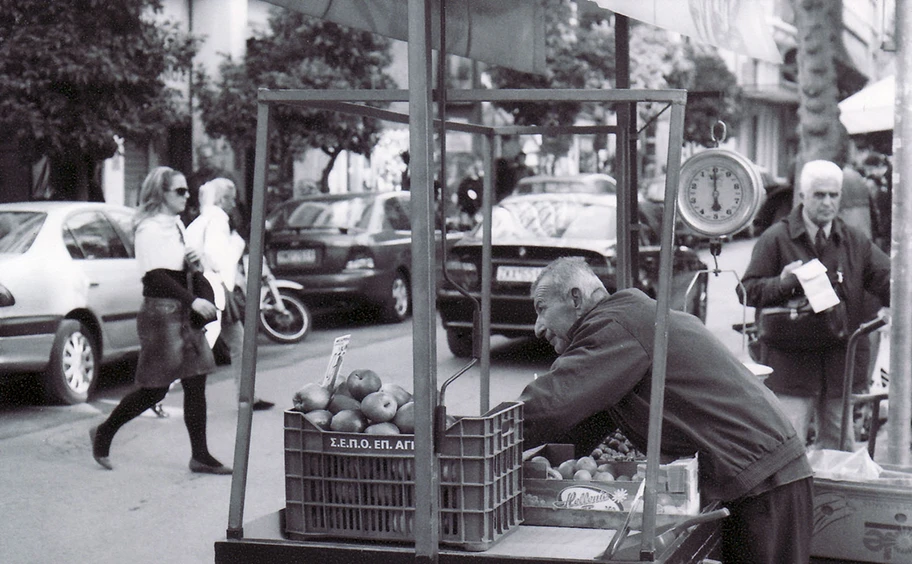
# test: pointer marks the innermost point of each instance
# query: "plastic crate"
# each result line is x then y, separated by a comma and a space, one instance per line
354, 485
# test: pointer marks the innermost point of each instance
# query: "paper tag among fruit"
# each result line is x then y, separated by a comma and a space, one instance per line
340, 345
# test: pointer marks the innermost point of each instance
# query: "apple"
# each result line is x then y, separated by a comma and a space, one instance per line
342, 388
567, 468
362, 382
553, 474
384, 428
340, 402
319, 417
379, 407
401, 394
348, 421
541, 460
310, 397
582, 475
405, 418
603, 477
587, 463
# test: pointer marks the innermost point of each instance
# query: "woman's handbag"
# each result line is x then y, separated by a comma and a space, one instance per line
234, 306
795, 326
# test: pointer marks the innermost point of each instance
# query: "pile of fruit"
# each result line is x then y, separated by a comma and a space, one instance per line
360, 403
585, 469
616, 448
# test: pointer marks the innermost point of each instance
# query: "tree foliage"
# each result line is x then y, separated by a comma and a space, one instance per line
580, 53
74, 74
713, 94
298, 52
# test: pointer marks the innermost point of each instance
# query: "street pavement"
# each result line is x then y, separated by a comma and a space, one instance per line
59, 506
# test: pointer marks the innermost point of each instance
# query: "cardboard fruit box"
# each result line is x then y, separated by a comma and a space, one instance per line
362, 486
604, 503
864, 521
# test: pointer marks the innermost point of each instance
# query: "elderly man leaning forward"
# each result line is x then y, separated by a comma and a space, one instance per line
809, 382
750, 458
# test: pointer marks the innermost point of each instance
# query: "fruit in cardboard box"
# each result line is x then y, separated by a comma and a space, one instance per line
401, 395
587, 463
582, 475
553, 474
362, 382
567, 468
379, 407
310, 397
348, 421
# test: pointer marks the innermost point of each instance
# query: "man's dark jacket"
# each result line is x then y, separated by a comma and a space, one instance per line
714, 406
851, 257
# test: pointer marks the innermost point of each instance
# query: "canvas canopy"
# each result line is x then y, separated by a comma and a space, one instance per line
870, 109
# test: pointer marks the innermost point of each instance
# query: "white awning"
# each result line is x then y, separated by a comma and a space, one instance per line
737, 26
870, 109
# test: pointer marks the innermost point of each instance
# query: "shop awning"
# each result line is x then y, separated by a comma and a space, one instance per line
507, 34
870, 109
512, 34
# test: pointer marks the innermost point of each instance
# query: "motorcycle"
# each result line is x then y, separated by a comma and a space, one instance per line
283, 317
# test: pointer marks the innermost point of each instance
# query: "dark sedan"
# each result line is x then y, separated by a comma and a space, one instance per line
348, 251
529, 232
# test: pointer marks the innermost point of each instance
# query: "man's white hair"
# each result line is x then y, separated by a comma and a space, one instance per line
816, 171
565, 273
213, 191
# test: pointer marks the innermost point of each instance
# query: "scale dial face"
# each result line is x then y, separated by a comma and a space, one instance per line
719, 192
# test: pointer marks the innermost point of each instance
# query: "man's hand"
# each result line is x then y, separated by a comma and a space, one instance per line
789, 268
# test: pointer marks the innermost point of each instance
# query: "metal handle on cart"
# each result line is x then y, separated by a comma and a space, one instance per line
440, 412
849, 375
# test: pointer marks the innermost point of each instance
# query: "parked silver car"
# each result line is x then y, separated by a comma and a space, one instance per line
70, 290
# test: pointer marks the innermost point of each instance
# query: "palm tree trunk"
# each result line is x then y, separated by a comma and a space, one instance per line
821, 136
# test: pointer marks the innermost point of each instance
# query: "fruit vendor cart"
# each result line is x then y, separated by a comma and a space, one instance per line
452, 494
448, 493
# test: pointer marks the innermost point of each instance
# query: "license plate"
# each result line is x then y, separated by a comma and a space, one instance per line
296, 256
526, 274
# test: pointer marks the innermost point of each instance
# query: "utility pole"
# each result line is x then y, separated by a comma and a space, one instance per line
901, 247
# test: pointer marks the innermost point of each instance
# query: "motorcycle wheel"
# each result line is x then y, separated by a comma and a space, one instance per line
285, 328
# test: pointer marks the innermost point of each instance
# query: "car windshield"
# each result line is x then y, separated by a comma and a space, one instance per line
557, 218
351, 213
18, 230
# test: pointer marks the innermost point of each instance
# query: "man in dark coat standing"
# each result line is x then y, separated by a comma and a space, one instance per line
810, 382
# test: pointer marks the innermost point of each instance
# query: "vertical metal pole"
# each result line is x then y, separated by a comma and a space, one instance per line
901, 247
251, 311
660, 352
487, 203
421, 148
625, 113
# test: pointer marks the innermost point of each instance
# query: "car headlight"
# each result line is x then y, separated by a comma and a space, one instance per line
463, 273
360, 260
6, 298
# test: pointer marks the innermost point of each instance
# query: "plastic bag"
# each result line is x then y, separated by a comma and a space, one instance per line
855, 466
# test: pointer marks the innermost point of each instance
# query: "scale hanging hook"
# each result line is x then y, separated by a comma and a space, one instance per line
721, 138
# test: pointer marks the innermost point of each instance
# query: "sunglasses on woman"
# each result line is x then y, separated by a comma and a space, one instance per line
182, 192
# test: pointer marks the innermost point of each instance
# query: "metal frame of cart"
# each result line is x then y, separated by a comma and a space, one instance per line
425, 380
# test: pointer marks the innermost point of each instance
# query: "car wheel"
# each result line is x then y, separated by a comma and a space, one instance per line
398, 304
73, 366
460, 342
